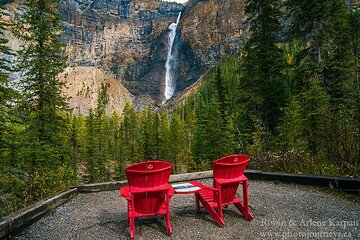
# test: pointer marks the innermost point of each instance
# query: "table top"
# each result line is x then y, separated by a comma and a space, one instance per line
185, 188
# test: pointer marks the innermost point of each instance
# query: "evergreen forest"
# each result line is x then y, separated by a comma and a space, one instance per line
290, 100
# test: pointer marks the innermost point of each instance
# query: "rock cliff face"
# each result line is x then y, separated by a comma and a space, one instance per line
121, 38
210, 30
127, 40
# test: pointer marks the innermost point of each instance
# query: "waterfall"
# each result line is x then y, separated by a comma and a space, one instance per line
170, 62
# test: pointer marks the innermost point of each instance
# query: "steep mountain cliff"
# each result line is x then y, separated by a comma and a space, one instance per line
127, 40
213, 29
210, 30
119, 37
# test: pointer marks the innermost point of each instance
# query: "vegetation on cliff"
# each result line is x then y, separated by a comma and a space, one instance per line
291, 100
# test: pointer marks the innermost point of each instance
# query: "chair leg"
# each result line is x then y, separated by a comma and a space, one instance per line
197, 202
249, 216
167, 215
132, 227
220, 214
168, 224
220, 211
128, 207
244, 209
213, 214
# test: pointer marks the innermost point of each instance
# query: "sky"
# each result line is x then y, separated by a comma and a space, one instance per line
179, 1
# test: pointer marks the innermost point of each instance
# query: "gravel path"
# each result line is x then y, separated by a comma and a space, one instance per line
281, 211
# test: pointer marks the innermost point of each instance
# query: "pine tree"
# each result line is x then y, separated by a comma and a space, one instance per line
324, 32
102, 134
7, 94
157, 136
177, 140
341, 143
10, 175
201, 144
221, 93
315, 108
102, 99
165, 133
338, 59
355, 41
140, 140
190, 127
219, 132
116, 145
41, 60
328, 32
291, 130
121, 158
261, 90
73, 142
91, 148
131, 133
148, 134
5, 90
81, 129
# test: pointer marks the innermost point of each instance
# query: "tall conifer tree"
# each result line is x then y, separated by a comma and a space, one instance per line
7, 94
355, 42
130, 133
41, 60
91, 150
261, 91
324, 32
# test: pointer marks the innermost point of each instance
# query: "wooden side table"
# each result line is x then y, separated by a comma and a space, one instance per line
185, 188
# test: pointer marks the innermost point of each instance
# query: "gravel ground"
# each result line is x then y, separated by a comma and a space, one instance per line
281, 211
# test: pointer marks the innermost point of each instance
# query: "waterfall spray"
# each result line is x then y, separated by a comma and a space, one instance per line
169, 65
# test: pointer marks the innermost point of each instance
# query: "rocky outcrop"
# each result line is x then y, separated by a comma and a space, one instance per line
213, 29
83, 85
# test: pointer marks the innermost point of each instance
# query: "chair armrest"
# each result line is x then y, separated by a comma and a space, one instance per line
231, 180
171, 191
124, 192
202, 186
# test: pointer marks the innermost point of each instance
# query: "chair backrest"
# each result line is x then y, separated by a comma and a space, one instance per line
229, 167
146, 176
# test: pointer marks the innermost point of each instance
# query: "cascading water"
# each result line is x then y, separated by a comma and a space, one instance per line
170, 62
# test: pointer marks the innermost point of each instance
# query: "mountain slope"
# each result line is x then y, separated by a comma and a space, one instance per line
83, 85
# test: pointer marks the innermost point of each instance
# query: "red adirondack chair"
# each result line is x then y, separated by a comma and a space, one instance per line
228, 173
148, 192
